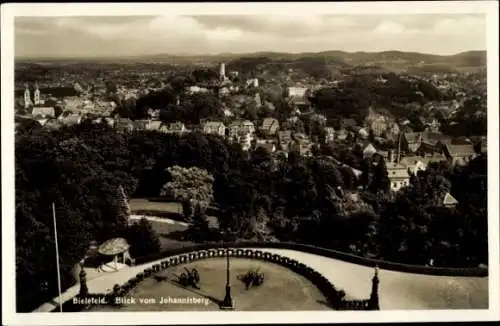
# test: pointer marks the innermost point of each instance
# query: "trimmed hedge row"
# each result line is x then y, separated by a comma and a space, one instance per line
425, 270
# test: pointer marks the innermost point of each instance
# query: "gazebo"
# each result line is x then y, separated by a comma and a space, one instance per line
118, 248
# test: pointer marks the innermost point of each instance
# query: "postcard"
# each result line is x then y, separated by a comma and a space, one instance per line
249, 162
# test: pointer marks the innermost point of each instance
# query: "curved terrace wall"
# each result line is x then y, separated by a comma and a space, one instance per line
188, 255
170, 256
334, 254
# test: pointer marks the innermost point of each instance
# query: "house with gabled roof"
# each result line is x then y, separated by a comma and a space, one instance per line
155, 125
71, 119
269, 126
449, 201
214, 128
398, 175
411, 141
177, 127
369, 151
329, 134
242, 132
414, 164
43, 111
284, 139
459, 154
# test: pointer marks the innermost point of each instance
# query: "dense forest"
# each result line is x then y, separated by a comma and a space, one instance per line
307, 200
360, 92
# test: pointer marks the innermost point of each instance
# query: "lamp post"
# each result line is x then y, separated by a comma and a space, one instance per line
228, 301
374, 299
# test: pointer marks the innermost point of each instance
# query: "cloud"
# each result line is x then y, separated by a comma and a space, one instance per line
136, 35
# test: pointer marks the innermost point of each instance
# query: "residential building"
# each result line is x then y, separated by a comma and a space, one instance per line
414, 164
223, 91
433, 126
433, 142
342, 134
398, 175
110, 121
154, 114
369, 151
379, 125
297, 91
242, 132
44, 112
329, 134
284, 139
41, 120
196, 89
411, 141
433, 158
301, 146
154, 125
449, 201
177, 127
70, 119
392, 132
459, 154
214, 127
267, 145
253, 82
270, 126
363, 133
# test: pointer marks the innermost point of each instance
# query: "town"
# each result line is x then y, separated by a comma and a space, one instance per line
376, 158
244, 112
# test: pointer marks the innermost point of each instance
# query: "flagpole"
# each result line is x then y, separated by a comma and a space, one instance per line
57, 258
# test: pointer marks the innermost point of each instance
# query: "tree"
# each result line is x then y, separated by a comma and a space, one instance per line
380, 177
193, 187
143, 239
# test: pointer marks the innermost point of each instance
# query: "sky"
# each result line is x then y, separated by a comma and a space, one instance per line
121, 36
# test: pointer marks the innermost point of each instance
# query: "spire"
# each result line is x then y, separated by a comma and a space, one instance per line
36, 95
27, 96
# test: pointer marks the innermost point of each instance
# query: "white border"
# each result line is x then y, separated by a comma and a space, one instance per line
8, 11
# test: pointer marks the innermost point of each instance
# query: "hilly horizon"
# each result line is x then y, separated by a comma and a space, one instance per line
271, 54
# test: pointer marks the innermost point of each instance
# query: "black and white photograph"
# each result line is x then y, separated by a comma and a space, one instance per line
294, 161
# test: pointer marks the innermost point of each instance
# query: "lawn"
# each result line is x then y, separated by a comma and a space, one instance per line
140, 204
282, 289
163, 230
170, 234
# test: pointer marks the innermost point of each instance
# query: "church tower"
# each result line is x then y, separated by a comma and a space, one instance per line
27, 96
222, 71
36, 95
